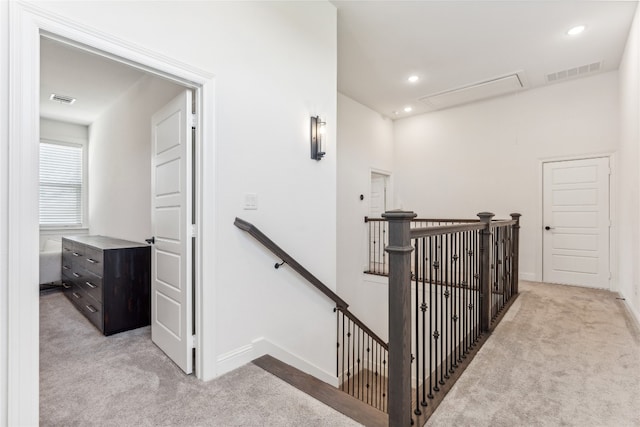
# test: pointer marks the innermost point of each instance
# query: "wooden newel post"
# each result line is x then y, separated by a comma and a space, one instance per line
485, 271
515, 256
399, 250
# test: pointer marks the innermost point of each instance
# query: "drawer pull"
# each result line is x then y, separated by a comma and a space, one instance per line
77, 295
91, 285
76, 254
91, 308
92, 261
65, 285
66, 267
76, 275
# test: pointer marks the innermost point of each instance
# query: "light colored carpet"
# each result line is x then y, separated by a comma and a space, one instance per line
562, 356
87, 379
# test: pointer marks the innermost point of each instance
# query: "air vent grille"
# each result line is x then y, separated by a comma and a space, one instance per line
574, 72
62, 99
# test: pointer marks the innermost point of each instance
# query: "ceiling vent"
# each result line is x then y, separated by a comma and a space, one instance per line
477, 91
62, 99
574, 72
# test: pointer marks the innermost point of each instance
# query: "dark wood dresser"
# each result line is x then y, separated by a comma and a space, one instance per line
108, 280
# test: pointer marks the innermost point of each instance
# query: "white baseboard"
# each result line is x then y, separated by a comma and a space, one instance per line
261, 346
531, 277
635, 315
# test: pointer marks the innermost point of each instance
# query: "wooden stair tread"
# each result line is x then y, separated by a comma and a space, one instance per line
319, 390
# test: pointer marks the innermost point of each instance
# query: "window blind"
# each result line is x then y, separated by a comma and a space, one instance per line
61, 186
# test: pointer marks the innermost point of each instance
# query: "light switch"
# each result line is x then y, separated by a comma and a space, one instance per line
250, 201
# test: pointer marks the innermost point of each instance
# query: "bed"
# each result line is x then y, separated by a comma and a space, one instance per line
50, 261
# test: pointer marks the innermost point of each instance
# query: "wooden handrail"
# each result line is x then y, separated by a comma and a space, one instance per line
341, 304
467, 220
289, 260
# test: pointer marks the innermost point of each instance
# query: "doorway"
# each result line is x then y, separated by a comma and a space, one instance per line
140, 181
379, 196
22, 192
576, 222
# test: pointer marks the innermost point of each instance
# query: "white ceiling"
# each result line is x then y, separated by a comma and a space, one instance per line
449, 44
452, 44
96, 82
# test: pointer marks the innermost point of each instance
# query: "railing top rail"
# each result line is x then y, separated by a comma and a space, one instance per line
457, 220
503, 222
416, 233
284, 256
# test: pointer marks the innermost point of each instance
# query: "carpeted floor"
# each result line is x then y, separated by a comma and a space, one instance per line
562, 356
87, 379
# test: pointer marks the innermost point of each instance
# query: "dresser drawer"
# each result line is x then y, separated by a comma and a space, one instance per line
92, 285
91, 308
93, 260
93, 311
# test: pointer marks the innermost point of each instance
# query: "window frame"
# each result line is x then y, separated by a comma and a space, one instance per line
85, 185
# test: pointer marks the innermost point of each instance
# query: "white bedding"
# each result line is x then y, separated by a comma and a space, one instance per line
50, 261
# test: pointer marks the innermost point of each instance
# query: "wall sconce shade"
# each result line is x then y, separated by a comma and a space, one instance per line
317, 133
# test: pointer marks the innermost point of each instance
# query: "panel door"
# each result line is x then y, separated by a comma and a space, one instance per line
576, 222
171, 287
378, 201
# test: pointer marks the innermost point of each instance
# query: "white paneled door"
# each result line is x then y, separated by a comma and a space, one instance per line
171, 282
576, 222
378, 203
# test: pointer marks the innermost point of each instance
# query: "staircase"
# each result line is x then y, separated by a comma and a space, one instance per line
449, 286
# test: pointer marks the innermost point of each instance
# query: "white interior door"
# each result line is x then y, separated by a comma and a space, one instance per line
576, 222
171, 283
378, 200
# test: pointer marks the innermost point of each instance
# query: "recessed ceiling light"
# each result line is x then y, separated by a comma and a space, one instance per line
395, 113
413, 79
408, 109
62, 99
576, 30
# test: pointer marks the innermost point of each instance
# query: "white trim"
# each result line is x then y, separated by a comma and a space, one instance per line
4, 197
633, 314
26, 23
538, 266
529, 277
259, 347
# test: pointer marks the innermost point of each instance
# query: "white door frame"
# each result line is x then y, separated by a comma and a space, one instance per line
389, 175
26, 24
613, 217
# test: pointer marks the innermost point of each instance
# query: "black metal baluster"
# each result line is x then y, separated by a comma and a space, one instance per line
417, 329
343, 349
441, 302
423, 308
455, 293
370, 377
436, 334
431, 278
447, 283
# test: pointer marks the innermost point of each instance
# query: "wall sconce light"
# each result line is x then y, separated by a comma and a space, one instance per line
317, 136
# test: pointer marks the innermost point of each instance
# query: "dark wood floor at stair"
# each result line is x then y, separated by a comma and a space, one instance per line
331, 396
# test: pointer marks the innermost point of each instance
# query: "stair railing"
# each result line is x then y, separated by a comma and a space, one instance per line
361, 355
449, 286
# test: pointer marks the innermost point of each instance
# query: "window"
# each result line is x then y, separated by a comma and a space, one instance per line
62, 185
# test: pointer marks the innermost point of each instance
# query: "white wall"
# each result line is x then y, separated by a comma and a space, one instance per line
56, 130
4, 205
629, 193
120, 161
487, 156
274, 66
365, 142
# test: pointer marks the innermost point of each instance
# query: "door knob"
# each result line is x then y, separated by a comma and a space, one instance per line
151, 241
548, 228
